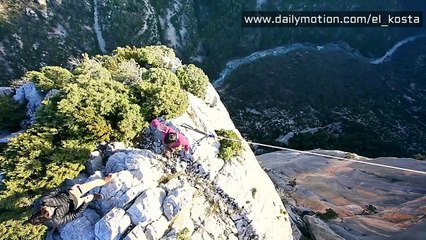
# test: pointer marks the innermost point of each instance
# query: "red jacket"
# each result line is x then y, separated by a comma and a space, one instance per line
181, 141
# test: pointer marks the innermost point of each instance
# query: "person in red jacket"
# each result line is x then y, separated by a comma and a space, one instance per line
173, 141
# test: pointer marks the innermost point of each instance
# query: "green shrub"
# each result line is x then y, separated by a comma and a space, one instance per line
94, 108
103, 99
11, 114
193, 80
184, 234
329, 214
160, 94
49, 77
229, 149
14, 230
151, 55
129, 73
34, 161
420, 157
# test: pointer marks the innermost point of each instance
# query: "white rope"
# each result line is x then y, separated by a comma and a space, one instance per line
326, 156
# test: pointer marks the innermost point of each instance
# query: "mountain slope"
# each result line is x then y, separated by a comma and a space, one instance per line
39, 33
146, 199
328, 97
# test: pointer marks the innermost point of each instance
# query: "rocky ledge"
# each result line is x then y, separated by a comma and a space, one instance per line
203, 198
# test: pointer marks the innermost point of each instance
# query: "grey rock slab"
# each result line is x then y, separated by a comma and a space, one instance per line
319, 229
147, 207
82, 228
113, 225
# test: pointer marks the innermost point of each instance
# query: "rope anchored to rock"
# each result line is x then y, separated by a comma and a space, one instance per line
306, 152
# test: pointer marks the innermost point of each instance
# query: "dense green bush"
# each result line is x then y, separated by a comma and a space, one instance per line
154, 56
129, 73
49, 77
15, 230
193, 80
229, 149
419, 156
37, 160
160, 94
94, 108
11, 114
107, 98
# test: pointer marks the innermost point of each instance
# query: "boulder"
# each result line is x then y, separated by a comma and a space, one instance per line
179, 195
124, 188
137, 233
28, 93
113, 225
6, 91
81, 228
112, 148
147, 207
319, 230
156, 229
95, 163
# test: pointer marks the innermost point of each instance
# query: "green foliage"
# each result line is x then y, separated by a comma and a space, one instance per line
420, 157
2, 147
11, 114
15, 230
34, 161
229, 149
49, 77
129, 73
193, 80
94, 108
184, 234
160, 94
103, 99
329, 214
355, 138
152, 55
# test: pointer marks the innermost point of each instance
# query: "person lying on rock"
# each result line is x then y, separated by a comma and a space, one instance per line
173, 141
62, 206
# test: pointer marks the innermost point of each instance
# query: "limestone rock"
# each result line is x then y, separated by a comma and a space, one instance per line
156, 229
112, 148
113, 225
137, 233
6, 91
151, 199
95, 163
84, 225
179, 195
319, 230
28, 93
